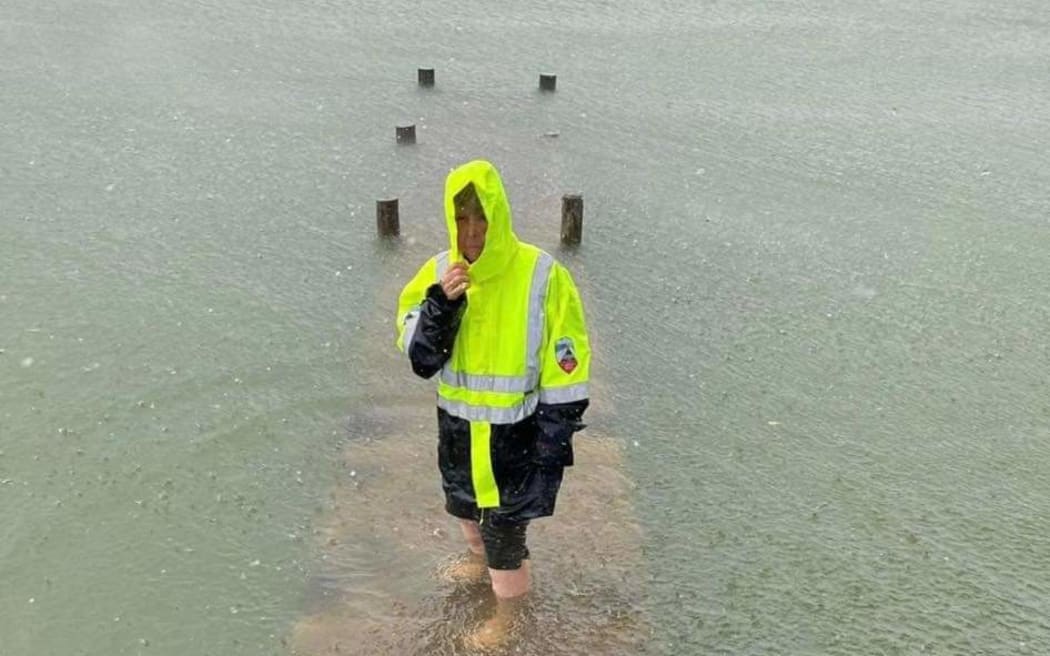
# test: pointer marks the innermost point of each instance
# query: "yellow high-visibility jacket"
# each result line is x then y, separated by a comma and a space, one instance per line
513, 357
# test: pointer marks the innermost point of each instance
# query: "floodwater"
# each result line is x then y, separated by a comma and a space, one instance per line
814, 263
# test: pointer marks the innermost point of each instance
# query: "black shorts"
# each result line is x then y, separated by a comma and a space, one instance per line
504, 541
504, 544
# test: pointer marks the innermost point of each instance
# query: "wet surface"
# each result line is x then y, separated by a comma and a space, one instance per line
814, 258
387, 535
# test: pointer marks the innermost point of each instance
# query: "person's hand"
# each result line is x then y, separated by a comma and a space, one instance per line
455, 281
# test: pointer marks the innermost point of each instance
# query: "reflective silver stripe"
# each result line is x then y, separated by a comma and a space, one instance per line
506, 384
565, 394
478, 383
534, 333
412, 317
537, 318
411, 321
492, 415
442, 265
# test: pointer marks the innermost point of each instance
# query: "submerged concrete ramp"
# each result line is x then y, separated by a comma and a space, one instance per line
387, 534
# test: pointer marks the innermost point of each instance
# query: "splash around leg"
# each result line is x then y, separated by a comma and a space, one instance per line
464, 569
499, 631
511, 587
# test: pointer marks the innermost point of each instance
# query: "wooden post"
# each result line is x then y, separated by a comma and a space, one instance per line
426, 77
571, 219
548, 82
406, 134
387, 222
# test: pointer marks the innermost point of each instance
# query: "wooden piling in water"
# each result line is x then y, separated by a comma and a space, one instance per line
388, 223
571, 219
406, 134
548, 82
426, 77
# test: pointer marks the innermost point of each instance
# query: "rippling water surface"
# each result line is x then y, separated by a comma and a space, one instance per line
814, 263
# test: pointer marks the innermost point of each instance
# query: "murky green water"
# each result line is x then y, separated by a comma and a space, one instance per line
815, 264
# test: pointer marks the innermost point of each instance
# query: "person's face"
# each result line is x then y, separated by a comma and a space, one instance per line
470, 234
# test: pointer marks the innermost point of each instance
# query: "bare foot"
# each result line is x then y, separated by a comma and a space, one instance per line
469, 568
498, 631
490, 636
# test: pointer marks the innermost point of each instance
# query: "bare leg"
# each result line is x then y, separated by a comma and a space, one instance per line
510, 583
511, 586
472, 534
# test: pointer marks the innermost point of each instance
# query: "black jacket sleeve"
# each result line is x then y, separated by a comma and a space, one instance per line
557, 422
436, 332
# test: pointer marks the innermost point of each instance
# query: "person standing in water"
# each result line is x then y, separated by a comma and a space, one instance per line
502, 323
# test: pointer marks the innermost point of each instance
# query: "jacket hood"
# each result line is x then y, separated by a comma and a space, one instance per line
501, 244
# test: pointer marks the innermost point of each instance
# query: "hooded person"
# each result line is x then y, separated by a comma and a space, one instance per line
501, 323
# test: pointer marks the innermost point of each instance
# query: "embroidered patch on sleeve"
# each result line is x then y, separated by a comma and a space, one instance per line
565, 354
